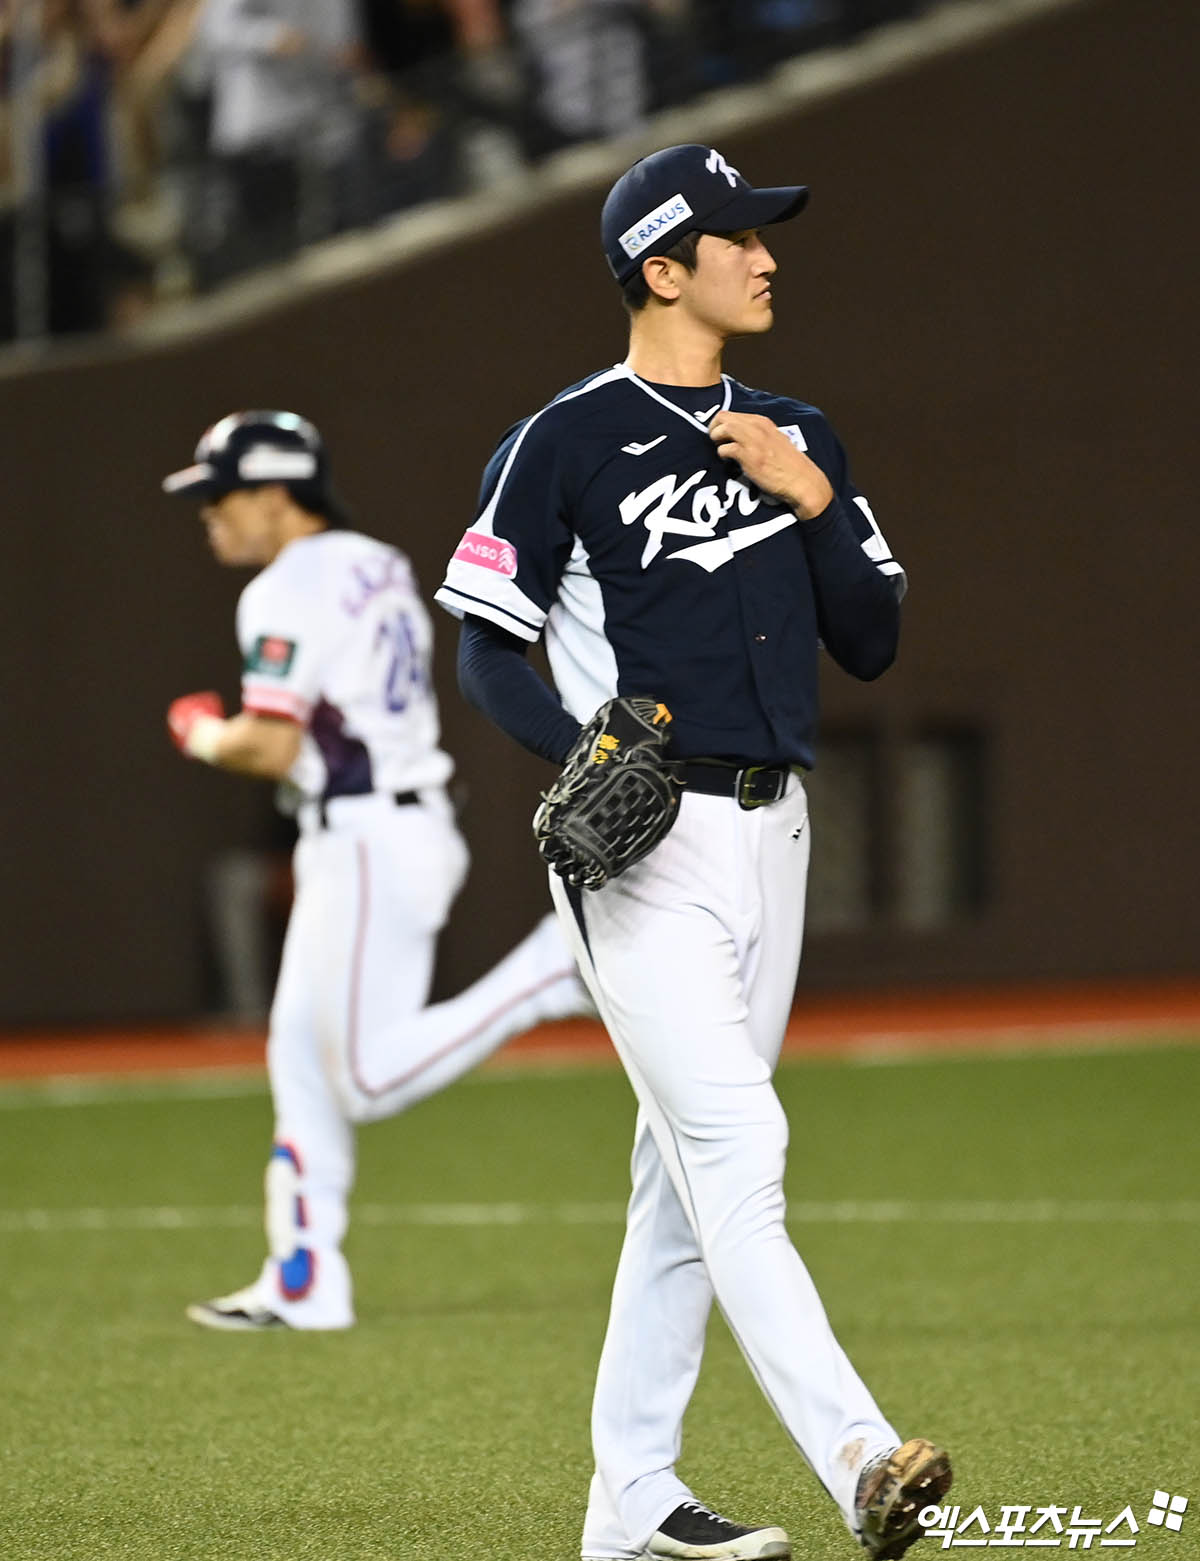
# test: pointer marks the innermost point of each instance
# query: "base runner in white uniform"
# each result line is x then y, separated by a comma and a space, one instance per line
338, 705
683, 538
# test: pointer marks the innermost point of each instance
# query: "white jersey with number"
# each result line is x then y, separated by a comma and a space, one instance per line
335, 637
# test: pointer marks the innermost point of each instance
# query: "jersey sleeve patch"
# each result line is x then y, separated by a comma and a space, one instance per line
482, 581
265, 699
489, 552
508, 565
271, 656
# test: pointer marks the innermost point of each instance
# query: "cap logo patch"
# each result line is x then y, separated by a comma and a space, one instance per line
715, 163
268, 463
669, 215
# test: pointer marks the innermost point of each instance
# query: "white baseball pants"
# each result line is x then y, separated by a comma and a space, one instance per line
692, 958
349, 1038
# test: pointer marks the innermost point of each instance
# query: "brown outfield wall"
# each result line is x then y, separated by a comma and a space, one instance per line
993, 296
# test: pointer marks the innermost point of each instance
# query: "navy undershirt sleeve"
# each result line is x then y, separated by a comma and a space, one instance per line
858, 611
495, 677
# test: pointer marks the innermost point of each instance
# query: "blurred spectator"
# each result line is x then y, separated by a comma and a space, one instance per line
456, 108
59, 58
590, 60
411, 44
151, 37
284, 131
740, 40
8, 176
161, 120
185, 141
745, 38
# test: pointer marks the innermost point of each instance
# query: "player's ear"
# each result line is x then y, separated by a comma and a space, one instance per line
660, 275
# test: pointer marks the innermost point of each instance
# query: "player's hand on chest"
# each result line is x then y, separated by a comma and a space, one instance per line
771, 461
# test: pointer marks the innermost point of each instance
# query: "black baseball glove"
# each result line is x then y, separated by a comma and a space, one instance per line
615, 799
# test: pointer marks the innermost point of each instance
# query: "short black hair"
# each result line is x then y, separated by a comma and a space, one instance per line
319, 501
635, 294
310, 499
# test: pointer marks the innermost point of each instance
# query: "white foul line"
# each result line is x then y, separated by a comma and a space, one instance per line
105, 1089
1037, 1211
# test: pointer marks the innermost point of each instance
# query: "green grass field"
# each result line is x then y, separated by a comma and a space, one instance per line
1008, 1248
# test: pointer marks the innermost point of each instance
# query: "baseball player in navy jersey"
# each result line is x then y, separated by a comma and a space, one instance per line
678, 536
337, 704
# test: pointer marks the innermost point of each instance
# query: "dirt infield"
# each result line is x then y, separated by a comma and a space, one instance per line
940, 1021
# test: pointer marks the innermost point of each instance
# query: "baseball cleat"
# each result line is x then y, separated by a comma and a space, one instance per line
693, 1533
892, 1489
241, 1312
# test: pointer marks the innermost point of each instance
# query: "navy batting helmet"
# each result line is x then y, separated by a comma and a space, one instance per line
248, 449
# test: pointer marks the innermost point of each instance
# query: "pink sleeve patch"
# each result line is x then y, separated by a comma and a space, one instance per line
477, 547
260, 699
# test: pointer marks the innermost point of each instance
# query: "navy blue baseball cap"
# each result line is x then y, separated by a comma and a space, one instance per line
684, 189
248, 449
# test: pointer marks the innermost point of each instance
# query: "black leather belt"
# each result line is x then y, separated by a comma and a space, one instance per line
754, 785
402, 799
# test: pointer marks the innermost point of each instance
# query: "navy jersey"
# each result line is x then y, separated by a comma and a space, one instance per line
609, 523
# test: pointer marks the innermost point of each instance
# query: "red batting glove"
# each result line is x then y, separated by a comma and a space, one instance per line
184, 712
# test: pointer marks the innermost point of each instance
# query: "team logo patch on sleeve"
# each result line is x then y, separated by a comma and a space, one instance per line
272, 656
